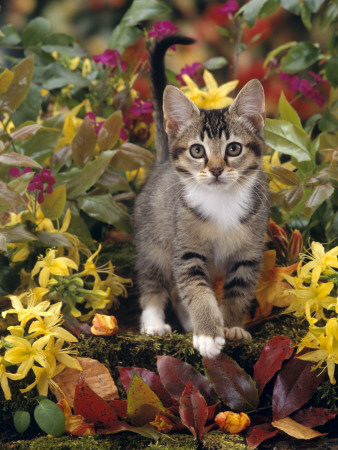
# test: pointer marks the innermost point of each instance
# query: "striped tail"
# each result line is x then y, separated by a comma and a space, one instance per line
159, 82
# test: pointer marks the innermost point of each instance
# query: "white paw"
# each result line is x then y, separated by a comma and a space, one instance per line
236, 333
208, 346
156, 330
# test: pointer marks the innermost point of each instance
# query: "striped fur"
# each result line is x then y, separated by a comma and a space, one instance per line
202, 219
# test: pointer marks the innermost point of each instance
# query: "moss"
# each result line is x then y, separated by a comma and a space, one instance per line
326, 395
216, 440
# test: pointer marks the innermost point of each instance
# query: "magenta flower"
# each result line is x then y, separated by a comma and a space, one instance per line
15, 171
111, 58
308, 88
139, 108
97, 125
38, 182
228, 8
192, 70
162, 29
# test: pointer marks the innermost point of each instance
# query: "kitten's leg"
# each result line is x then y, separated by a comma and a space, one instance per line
192, 281
181, 311
239, 287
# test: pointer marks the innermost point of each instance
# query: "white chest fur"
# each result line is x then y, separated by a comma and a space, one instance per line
224, 207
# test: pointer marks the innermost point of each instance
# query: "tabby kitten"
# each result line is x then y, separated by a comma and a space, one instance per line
201, 215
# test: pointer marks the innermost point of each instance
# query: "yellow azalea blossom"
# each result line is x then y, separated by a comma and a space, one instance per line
4, 376
21, 253
33, 309
325, 345
230, 422
104, 325
213, 96
320, 261
162, 423
50, 265
25, 353
62, 355
273, 160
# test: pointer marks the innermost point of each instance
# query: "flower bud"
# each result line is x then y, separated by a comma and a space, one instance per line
278, 237
231, 422
104, 325
295, 246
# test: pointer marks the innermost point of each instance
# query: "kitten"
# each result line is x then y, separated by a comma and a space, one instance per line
202, 212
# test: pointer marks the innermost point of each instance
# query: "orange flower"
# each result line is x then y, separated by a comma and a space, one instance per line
162, 423
271, 285
278, 237
104, 325
295, 245
75, 424
230, 422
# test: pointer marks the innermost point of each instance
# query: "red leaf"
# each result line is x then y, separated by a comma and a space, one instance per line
259, 433
193, 410
151, 379
314, 417
211, 411
235, 387
175, 375
120, 407
294, 386
147, 430
270, 361
92, 407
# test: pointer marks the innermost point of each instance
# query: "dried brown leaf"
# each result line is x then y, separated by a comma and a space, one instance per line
295, 429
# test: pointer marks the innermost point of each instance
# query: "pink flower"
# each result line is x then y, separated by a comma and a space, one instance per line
162, 29
228, 8
317, 78
139, 108
307, 88
191, 70
110, 58
38, 182
15, 171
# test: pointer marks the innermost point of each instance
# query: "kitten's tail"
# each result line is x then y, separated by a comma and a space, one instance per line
159, 82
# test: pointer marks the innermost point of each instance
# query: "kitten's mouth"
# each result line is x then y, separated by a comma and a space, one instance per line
216, 182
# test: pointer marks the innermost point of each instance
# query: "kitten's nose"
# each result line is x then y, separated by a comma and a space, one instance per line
216, 171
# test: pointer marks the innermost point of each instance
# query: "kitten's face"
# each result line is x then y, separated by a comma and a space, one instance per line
214, 148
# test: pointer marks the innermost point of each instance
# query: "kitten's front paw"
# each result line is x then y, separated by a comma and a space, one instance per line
236, 333
208, 346
156, 330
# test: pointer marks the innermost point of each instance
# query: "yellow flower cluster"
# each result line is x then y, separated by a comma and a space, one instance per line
314, 295
36, 344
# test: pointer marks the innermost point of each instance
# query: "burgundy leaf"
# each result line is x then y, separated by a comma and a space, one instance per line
270, 361
211, 411
146, 430
314, 417
120, 407
175, 375
193, 410
151, 379
234, 386
259, 433
92, 407
294, 386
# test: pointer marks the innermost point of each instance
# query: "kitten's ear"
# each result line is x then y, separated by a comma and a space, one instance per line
250, 102
178, 109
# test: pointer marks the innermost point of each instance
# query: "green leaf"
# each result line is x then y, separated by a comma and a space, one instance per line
21, 183
132, 157
18, 234
300, 57
251, 11
9, 198
142, 403
84, 142
105, 209
53, 239
18, 89
314, 5
278, 50
54, 203
6, 79
88, 175
316, 198
113, 182
285, 176
287, 112
56, 76
331, 70
35, 31
15, 159
218, 62
42, 144
330, 14
78, 226
50, 417
110, 131
22, 420
290, 5
123, 36
26, 132
62, 43
29, 109
305, 14
269, 8
286, 138
9, 35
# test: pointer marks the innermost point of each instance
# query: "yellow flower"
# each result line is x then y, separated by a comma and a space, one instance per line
4, 378
231, 422
320, 261
213, 97
62, 355
50, 265
25, 353
162, 423
325, 342
273, 160
33, 309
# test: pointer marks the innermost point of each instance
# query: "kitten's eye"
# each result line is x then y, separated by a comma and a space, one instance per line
234, 149
197, 151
